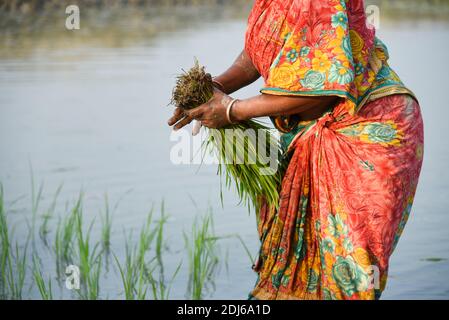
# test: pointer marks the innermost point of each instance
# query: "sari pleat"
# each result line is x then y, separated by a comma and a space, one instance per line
352, 174
345, 198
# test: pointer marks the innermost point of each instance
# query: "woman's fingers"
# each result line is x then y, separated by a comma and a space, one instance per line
207, 124
183, 123
190, 115
183, 117
198, 112
178, 114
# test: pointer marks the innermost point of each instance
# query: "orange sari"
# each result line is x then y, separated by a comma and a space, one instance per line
352, 174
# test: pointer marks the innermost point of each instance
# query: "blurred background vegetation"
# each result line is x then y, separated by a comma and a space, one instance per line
36, 24
116, 23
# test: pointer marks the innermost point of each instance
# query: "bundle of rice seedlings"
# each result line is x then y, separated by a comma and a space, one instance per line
239, 150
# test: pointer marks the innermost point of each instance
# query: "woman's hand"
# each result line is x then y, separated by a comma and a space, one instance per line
212, 114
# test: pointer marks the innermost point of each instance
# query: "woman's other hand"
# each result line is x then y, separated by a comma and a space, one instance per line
212, 114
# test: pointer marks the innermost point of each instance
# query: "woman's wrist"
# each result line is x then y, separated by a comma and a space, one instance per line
225, 82
230, 119
239, 112
218, 84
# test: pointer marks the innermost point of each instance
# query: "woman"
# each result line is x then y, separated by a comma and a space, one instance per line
354, 136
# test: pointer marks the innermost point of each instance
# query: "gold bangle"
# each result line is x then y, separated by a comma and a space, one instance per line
228, 111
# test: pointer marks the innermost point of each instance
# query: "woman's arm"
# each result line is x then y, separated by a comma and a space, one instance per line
213, 113
263, 105
240, 74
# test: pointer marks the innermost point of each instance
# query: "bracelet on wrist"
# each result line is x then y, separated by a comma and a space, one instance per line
218, 85
229, 110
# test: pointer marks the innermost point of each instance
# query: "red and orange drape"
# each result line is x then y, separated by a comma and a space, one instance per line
353, 173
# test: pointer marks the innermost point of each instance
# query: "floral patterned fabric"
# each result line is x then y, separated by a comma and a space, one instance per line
353, 173
326, 47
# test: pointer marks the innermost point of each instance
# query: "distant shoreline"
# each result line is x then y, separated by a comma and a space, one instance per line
32, 24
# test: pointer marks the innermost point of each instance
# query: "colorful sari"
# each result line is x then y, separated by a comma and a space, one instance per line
352, 174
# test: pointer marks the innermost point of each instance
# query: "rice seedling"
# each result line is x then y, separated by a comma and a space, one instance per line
160, 233
106, 222
203, 257
133, 271
58, 247
160, 287
36, 197
143, 273
44, 229
44, 288
20, 269
127, 274
5, 254
146, 238
193, 88
64, 237
242, 156
251, 184
13, 262
89, 257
